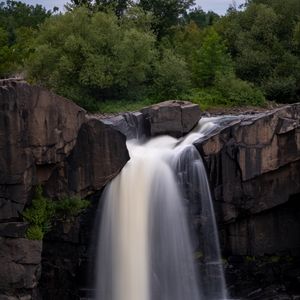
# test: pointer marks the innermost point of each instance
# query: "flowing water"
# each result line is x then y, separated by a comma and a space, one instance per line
144, 248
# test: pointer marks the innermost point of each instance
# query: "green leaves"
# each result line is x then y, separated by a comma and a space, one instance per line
44, 212
93, 52
212, 58
172, 76
18, 24
264, 40
39, 216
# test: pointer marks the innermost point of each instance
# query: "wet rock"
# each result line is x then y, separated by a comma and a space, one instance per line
131, 124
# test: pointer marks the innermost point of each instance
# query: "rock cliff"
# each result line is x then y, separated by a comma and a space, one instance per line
45, 139
253, 164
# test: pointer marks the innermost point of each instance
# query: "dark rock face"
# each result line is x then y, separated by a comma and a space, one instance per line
46, 139
254, 168
133, 125
174, 118
37, 130
20, 267
96, 158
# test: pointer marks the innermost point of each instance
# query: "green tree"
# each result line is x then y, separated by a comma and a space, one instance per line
5, 54
118, 6
200, 17
18, 24
211, 59
172, 77
167, 13
263, 41
82, 55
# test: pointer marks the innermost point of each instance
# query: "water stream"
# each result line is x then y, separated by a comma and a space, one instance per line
145, 250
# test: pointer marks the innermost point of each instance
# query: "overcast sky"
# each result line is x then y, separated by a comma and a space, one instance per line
218, 6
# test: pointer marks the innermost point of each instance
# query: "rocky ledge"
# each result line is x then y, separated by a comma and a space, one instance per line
253, 164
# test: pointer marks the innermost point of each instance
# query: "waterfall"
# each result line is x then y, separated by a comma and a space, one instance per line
145, 250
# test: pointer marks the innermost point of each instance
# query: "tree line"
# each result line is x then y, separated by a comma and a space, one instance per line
152, 50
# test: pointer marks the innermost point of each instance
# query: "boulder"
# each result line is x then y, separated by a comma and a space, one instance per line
38, 134
131, 124
174, 118
98, 156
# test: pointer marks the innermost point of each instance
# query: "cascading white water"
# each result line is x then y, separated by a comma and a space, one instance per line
144, 247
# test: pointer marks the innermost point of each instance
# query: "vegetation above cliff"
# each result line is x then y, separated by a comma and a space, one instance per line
114, 55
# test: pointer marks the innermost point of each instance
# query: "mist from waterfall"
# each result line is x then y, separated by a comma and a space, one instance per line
145, 251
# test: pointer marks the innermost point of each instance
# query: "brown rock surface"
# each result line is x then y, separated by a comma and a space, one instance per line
20, 263
254, 167
174, 118
37, 128
97, 157
45, 139
38, 133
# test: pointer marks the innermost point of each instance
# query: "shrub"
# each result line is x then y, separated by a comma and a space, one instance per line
238, 92
43, 212
92, 56
206, 98
172, 76
281, 88
69, 207
39, 215
34, 232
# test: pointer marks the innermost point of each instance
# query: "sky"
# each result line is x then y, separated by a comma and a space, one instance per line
218, 6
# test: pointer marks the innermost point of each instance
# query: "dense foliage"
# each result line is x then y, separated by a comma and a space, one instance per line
106, 54
18, 25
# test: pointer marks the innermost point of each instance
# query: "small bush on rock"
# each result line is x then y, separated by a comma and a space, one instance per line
43, 213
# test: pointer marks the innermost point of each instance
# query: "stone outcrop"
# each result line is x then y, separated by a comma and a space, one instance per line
20, 267
174, 118
45, 139
37, 130
253, 163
